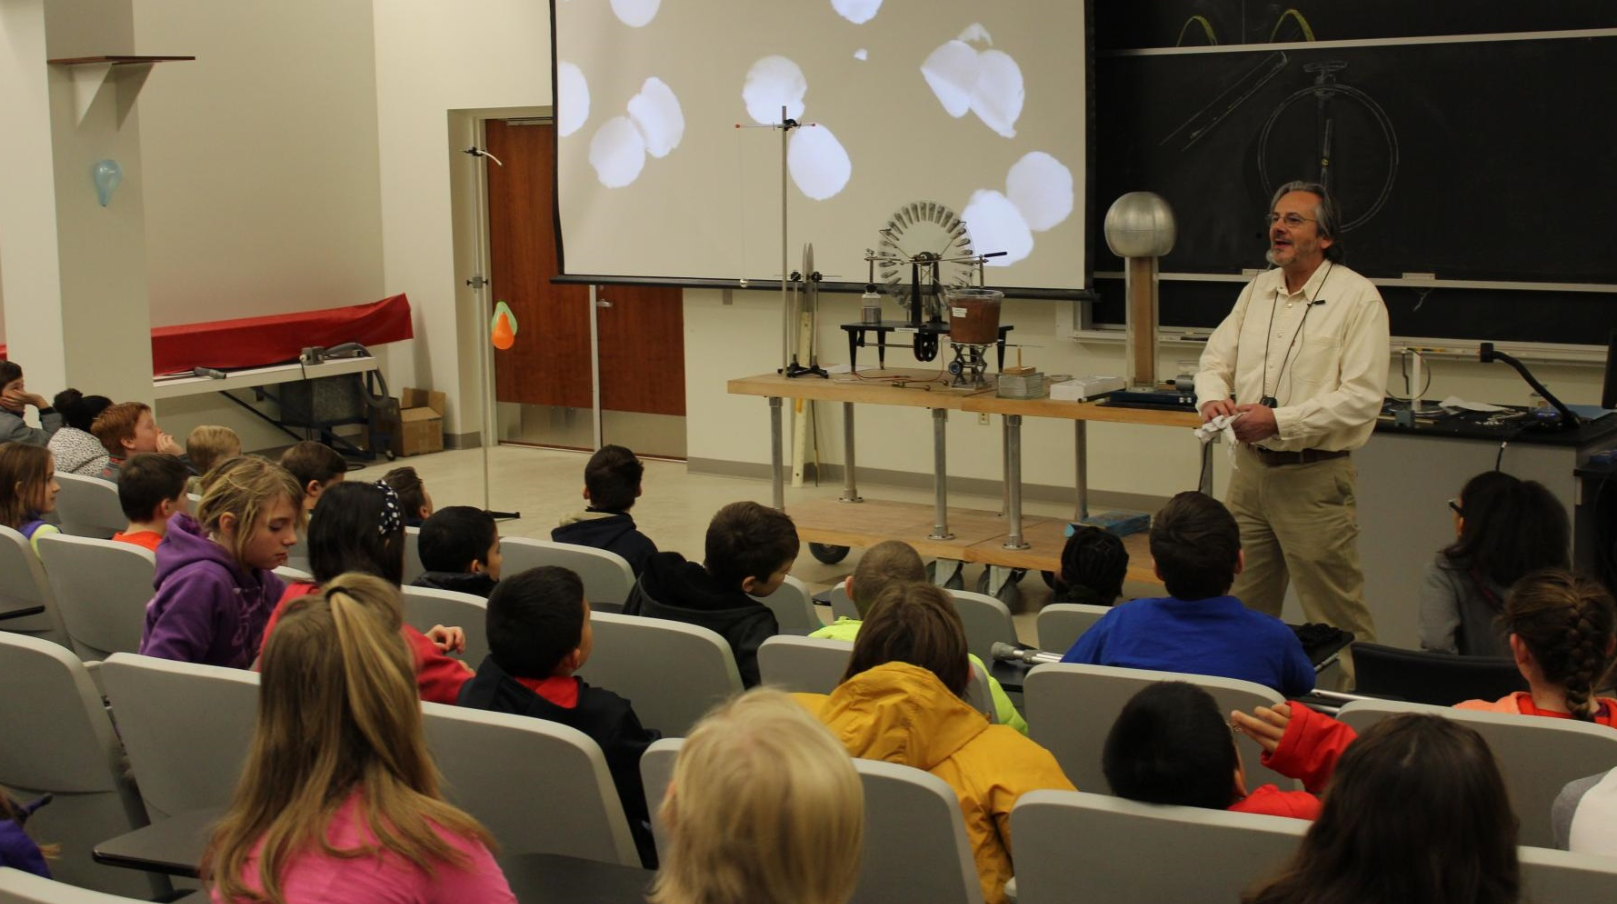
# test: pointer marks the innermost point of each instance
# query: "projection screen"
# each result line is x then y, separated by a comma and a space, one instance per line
670, 151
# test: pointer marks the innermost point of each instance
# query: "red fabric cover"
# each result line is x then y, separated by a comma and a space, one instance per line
262, 341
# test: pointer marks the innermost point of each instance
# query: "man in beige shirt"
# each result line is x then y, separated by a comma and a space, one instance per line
1302, 361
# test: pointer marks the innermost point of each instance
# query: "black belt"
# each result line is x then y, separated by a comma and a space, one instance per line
1307, 456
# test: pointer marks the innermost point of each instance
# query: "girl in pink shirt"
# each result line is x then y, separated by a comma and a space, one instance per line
339, 799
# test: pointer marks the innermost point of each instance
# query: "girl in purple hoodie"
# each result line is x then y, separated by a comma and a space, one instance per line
215, 589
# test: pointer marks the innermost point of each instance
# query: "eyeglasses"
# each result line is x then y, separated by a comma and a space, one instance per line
1456, 506
1294, 220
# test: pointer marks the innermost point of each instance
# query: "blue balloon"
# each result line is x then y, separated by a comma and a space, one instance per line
108, 176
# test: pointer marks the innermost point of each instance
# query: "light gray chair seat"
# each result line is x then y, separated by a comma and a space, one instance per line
88, 507
1537, 756
606, 575
1059, 625
427, 606
672, 672
1070, 709
915, 846
101, 588
1077, 846
23, 586
508, 771
793, 606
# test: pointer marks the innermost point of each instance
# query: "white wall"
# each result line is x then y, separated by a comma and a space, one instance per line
433, 58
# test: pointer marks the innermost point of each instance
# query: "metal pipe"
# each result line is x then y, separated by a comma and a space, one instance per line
1080, 434
1013, 482
940, 460
777, 469
850, 488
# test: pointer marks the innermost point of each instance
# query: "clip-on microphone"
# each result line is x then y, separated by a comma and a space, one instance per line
1569, 420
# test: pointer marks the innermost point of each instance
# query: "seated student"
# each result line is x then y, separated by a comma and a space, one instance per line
28, 490
538, 636
126, 429
764, 808
339, 798
208, 445
1171, 745
1417, 811
413, 495
1093, 565
460, 550
215, 580
317, 467
359, 528
14, 401
1198, 629
887, 564
611, 485
1504, 527
902, 701
750, 548
17, 850
151, 491
76, 449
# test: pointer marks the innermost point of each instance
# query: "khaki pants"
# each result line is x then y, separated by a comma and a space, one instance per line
1300, 523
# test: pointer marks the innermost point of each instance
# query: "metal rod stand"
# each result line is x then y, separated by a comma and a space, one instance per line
940, 459
850, 489
1080, 434
1013, 481
777, 464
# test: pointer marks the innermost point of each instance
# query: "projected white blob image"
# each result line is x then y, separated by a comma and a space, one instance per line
975, 32
818, 163
772, 82
635, 13
996, 225
857, 11
655, 112
617, 152
1041, 188
951, 73
998, 95
861, 54
572, 98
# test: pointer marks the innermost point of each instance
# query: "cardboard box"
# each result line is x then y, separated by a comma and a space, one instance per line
420, 427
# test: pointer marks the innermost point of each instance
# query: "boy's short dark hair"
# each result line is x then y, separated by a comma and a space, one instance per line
1171, 745
1196, 543
884, 565
1093, 565
147, 481
613, 478
456, 536
748, 540
314, 461
535, 619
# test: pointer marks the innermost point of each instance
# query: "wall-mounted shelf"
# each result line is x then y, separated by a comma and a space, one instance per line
92, 74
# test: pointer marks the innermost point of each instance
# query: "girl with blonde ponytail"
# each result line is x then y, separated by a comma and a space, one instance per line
339, 799
1563, 631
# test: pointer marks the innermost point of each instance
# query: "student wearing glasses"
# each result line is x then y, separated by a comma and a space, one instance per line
1301, 364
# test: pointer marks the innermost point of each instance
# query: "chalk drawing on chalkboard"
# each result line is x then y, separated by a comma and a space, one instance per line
1342, 114
1205, 119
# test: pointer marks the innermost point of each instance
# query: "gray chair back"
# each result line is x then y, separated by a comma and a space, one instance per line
101, 588
88, 507
18, 887
55, 738
1070, 709
672, 672
1550, 876
1076, 846
1059, 625
793, 606
505, 770
841, 603
987, 622
412, 555
1537, 756
915, 846
427, 606
187, 728
23, 586
606, 575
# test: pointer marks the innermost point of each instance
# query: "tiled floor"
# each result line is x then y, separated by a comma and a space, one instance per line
545, 485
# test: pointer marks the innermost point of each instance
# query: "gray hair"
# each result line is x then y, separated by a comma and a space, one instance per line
1325, 215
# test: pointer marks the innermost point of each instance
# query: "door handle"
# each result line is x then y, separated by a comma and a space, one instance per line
603, 303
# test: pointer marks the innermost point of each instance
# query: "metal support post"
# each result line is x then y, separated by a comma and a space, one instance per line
1013, 480
1080, 434
940, 459
777, 471
850, 488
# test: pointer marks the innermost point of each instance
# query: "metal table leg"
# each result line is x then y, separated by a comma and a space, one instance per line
1013, 480
1080, 435
777, 472
850, 490
1206, 483
940, 456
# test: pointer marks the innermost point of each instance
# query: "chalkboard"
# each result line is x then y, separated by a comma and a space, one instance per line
1486, 160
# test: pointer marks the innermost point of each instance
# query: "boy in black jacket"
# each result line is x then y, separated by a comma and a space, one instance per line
750, 548
538, 636
611, 485
460, 550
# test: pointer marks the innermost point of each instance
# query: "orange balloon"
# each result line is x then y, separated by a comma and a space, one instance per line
504, 337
